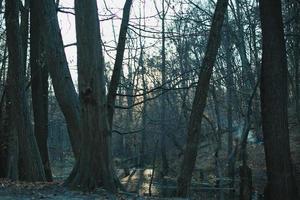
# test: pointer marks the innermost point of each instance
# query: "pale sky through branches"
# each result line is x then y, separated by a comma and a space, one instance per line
110, 15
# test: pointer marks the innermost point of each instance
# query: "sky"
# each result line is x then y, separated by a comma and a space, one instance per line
109, 28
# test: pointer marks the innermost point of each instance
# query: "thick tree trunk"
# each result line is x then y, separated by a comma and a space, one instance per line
246, 182
58, 68
29, 162
296, 54
281, 182
95, 164
199, 103
39, 90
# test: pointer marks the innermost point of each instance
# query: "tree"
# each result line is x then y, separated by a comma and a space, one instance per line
274, 92
94, 167
39, 89
24, 160
199, 102
229, 81
164, 159
58, 68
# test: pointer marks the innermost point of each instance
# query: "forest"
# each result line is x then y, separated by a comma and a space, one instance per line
150, 99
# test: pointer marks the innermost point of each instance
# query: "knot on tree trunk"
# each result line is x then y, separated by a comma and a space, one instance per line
88, 96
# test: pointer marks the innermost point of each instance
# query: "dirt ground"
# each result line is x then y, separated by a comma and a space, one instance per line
28, 191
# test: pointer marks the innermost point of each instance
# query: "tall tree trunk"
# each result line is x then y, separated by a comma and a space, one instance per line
39, 91
94, 167
165, 165
143, 71
130, 116
296, 54
144, 112
115, 79
229, 81
29, 161
199, 102
58, 68
3, 134
281, 182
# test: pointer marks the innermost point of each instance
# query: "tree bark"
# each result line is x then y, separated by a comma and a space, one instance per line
112, 91
246, 182
3, 133
39, 91
199, 102
26, 155
94, 166
274, 92
58, 68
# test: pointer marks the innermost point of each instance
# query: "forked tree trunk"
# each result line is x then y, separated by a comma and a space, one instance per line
59, 72
115, 79
25, 151
199, 102
274, 93
94, 167
39, 91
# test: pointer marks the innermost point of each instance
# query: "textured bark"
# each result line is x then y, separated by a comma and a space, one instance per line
274, 92
3, 133
26, 155
39, 91
58, 68
3, 145
199, 102
295, 10
246, 183
94, 167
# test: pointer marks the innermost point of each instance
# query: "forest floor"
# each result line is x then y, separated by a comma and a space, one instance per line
137, 185
28, 191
